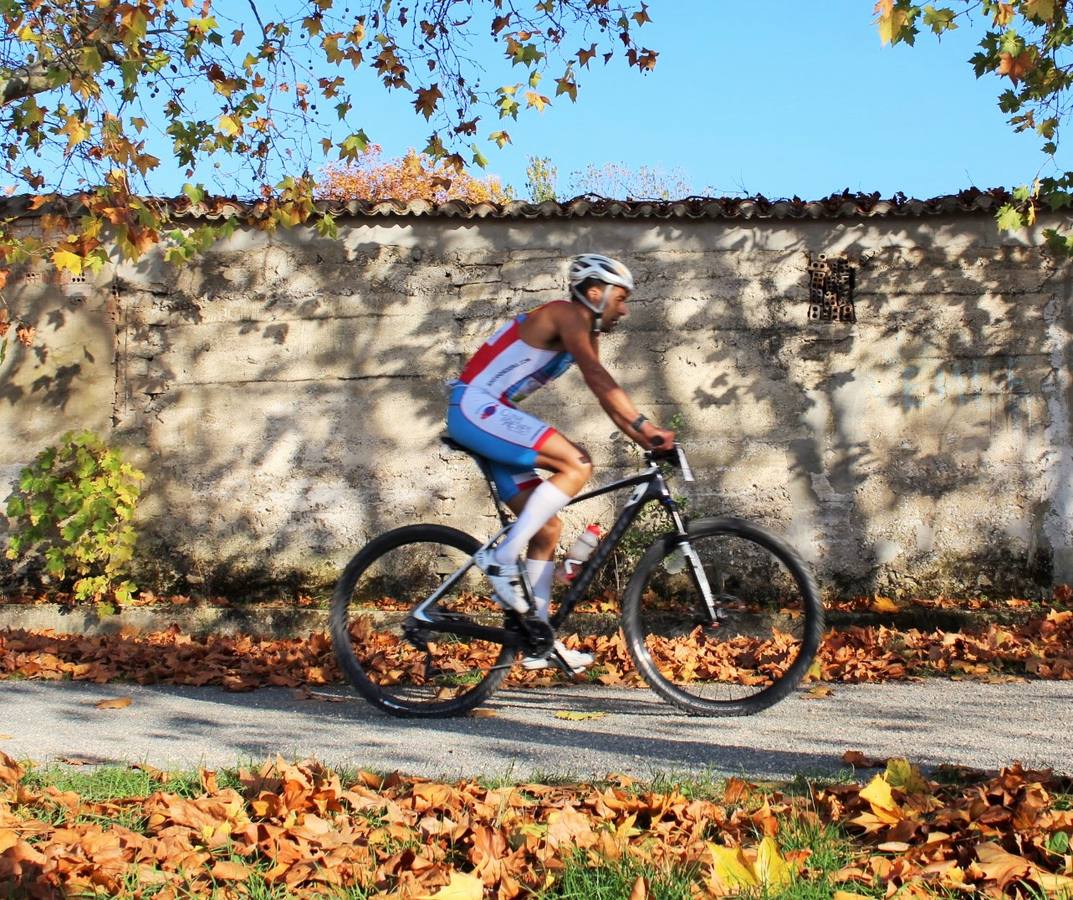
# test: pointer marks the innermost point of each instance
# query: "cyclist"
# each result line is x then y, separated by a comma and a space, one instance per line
525, 354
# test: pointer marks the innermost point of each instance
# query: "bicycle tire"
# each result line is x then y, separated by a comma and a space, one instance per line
735, 668
378, 589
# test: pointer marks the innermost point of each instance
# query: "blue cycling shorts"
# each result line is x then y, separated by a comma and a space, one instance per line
504, 435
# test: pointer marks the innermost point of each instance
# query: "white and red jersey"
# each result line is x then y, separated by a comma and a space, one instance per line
509, 369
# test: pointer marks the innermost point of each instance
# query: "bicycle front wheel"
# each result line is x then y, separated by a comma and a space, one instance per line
764, 636
403, 670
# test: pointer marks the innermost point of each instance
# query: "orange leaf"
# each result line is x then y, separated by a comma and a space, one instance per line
996, 865
640, 889
114, 703
227, 870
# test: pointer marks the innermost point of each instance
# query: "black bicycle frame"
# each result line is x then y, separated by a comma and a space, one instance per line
650, 486
655, 488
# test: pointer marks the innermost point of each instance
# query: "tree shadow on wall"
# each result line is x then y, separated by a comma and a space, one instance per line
291, 395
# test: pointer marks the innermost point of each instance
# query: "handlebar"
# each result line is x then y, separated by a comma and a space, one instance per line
674, 455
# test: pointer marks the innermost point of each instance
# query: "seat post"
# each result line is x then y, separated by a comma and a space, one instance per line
482, 464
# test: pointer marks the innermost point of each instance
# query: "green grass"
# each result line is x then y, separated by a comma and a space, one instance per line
580, 881
118, 782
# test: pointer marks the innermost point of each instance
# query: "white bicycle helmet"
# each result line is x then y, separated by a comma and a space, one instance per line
599, 268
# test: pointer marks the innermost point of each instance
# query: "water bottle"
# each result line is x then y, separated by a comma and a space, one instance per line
579, 551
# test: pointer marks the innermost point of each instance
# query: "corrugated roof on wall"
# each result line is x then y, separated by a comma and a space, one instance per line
837, 206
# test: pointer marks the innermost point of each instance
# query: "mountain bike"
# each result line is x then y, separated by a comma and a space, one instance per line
720, 616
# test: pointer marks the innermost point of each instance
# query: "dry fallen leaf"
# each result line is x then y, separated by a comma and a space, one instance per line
859, 761
227, 870
818, 692
114, 703
640, 889
482, 714
884, 605
578, 716
461, 887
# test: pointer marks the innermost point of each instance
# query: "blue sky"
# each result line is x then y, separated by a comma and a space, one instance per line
783, 98
779, 98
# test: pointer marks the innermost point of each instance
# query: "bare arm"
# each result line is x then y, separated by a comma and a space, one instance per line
574, 330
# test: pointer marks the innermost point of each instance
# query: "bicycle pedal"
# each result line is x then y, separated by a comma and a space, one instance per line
540, 634
564, 666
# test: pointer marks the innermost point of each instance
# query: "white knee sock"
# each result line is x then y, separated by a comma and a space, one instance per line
542, 504
541, 572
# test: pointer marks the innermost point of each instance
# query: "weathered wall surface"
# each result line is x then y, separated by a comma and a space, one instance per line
285, 395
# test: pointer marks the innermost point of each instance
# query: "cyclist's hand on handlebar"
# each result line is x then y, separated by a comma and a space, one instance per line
656, 438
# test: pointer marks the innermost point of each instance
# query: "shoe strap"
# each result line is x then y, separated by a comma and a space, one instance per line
496, 571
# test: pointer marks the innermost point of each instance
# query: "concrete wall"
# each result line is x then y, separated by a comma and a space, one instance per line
285, 394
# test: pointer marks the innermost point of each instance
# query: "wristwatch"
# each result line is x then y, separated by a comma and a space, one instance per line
638, 422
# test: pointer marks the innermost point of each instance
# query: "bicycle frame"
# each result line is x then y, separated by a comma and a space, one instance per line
650, 485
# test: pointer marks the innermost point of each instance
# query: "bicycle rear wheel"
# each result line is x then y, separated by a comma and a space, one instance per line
765, 637
402, 670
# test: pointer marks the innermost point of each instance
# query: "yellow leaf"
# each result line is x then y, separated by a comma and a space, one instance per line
537, 101
65, 259
771, 869
730, 867
578, 716
891, 24
461, 887
849, 895
229, 126
1053, 885
903, 774
76, 131
883, 804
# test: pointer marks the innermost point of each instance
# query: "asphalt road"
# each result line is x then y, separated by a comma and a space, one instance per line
930, 722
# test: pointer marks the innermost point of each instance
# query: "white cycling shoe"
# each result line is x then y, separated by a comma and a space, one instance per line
506, 579
578, 660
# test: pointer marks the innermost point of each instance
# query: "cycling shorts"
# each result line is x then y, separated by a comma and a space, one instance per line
504, 435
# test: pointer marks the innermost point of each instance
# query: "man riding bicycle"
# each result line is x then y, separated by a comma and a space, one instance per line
525, 354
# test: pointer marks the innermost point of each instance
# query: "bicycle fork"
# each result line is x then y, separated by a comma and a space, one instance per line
697, 575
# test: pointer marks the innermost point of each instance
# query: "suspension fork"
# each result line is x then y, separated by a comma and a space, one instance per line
693, 563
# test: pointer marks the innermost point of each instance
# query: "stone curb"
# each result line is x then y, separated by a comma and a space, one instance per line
256, 621
290, 621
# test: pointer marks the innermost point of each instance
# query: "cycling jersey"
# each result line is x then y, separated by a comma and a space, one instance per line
482, 415
508, 368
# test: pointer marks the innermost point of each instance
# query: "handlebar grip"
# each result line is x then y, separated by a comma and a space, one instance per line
656, 441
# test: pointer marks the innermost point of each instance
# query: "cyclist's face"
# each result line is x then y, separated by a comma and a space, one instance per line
616, 308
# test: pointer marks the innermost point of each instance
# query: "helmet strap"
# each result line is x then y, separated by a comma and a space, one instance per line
597, 311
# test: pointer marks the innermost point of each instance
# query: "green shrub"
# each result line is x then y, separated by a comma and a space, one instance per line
73, 509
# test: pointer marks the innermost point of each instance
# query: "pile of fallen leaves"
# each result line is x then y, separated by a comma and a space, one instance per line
168, 657
301, 827
1041, 647
994, 833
